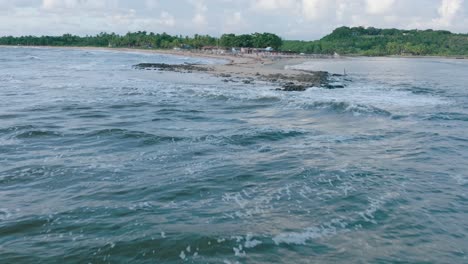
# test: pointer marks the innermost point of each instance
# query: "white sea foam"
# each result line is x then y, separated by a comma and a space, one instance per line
460, 179
182, 255
4, 214
335, 226
301, 238
360, 98
9, 78
250, 242
239, 251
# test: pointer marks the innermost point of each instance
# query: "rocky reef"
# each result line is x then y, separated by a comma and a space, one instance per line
173, 67
287, 80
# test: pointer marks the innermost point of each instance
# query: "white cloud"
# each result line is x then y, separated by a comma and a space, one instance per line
123, 18
152, 4
315, 9
199, 20
55, 4
447, 11
273, 4
235, 23
341, 10
166, 19
130, 21
293, 19
199, 5
78, 5
376, 7
235, 19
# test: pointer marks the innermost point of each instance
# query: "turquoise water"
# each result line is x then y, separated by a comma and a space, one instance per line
102, 163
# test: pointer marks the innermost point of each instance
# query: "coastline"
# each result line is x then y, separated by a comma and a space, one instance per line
245, 68
230, 57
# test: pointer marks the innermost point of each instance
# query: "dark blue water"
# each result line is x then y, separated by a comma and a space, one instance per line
102, 163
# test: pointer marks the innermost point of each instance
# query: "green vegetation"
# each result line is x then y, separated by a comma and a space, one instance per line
379, 42
344, 40
142, 39
256, 40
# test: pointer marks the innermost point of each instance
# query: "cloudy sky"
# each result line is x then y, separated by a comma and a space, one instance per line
291, 19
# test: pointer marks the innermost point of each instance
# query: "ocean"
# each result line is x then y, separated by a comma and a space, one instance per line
104, 163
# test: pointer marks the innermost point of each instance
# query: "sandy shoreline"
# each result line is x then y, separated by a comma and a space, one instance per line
246, 68
227, 57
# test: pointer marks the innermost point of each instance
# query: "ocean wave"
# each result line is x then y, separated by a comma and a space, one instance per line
447, 116
252, 137
301, 238
4, 214
10, 116
358, 220
31, 174
175, 110
419, 90
345, 107
145, 138
8, 78
22, 226
93, 115
75, 107
15, 128
235, 93
38, 133
267, 99
30, 57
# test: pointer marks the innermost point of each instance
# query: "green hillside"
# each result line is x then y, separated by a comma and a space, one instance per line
344, 40
378, 42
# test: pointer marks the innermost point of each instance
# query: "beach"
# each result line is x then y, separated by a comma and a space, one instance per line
247, 68
250, 67
274, 69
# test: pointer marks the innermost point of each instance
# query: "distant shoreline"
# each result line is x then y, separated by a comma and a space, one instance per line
232, 58
410, 57
134, 50
246, 68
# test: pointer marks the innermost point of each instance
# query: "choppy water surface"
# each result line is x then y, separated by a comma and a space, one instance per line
103, 163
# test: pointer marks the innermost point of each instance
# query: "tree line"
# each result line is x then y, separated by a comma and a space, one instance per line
380, 42
344, 40
255, 40
143, 39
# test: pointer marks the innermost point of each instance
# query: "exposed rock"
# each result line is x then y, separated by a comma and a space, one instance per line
290, 87
300, 81
317, 78
173, 67
292, 81
334, 86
